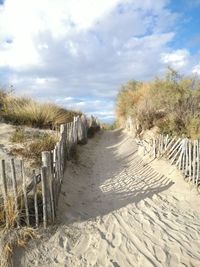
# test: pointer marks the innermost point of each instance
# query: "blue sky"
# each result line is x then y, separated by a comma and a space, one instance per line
77, 53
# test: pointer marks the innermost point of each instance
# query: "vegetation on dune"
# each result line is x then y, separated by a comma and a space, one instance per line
26, 111
32, 144
172, 104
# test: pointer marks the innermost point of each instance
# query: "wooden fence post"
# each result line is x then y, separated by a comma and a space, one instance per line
24, 192
14, 183
190, 160
44, 197
4, 184
186, 160
47, 162
35, 199
198, 163
194, 161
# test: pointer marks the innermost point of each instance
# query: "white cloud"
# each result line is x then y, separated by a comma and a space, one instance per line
78, 52
177, 59
99, 108
22, 21
196, 69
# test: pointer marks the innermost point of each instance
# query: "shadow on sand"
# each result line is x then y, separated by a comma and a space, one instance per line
109, 176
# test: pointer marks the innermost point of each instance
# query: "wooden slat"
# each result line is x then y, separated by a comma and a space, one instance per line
190, 160
47, 162
24, 191
55, 176
186, 159
198, 163
173, 147
14, 183
194, 162
35, 199
44, 198
4, 185
177, 151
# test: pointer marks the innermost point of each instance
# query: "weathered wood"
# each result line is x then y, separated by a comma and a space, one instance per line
190, 160
178, 150
186, 160
67, 141
52, 171
173, 147
24, 191
178, 162
166, 142
4, 185
184, 157
47, 162
198, 163
154, 148
14, 183
177, 147
35, 199
55, 177
3, 178
44, 198
75, 130
161, 144
194, 162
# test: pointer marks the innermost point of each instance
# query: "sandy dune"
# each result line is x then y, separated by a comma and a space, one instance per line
117, 211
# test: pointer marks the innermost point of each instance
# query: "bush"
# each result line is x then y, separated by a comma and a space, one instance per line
193, 127
170, 103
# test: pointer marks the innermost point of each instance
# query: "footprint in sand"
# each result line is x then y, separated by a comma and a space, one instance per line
116, 242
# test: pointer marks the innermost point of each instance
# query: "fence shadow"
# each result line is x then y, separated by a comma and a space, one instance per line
108, 179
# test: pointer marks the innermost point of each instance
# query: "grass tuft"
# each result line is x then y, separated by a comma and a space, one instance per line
12, 238
26, 111
32, 151
18, 136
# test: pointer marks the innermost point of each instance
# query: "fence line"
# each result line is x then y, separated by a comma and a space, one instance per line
181, 152
36, 203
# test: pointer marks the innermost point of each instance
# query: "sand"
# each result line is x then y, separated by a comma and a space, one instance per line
116, 210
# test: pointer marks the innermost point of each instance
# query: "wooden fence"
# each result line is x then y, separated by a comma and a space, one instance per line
35, 202
182, 152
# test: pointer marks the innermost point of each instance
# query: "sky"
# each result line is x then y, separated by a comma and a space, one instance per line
77, 53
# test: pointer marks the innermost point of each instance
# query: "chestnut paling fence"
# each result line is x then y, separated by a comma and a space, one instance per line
35, 202
182, 152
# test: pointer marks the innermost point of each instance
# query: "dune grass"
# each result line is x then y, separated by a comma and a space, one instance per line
31, 150
18, 136
26, 111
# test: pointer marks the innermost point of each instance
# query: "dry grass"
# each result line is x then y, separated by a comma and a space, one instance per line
13, 238
32, 150
18, 136
26, 111
171, 103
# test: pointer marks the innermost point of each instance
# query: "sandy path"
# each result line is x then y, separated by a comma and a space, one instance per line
114, 211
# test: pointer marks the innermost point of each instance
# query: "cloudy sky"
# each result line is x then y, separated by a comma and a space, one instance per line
77, 53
